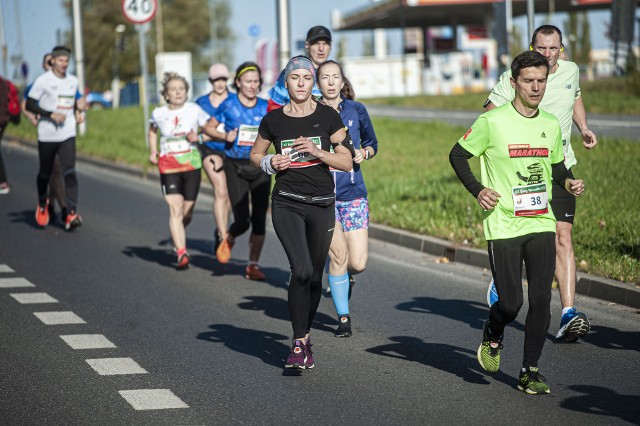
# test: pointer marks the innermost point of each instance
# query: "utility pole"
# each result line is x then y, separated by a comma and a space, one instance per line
3, 43
530, 13
282, 11
77, 37
159, 29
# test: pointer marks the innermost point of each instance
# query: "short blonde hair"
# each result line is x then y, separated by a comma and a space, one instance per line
169, 76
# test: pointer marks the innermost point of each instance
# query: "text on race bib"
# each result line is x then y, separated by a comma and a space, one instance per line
530, 200
247, 135
300, 159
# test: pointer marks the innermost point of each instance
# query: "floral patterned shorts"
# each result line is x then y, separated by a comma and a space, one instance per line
353, 214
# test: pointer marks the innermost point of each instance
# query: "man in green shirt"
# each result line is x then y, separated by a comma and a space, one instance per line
520, 147
563, 99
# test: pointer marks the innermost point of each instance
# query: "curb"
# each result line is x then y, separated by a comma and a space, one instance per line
587, 285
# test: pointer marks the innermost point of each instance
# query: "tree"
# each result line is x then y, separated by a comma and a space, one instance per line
516, 42
186, 27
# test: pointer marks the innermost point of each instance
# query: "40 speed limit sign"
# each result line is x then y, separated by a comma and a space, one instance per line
139, 11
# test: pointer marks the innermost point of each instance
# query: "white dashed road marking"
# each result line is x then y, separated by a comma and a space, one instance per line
59, 318
112, 366
152, 399
14, 283
5, 268
87, 341
27, 298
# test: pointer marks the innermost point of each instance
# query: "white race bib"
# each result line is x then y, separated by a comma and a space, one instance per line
65, 103
530, 200
300, 159
176, 144
247, 135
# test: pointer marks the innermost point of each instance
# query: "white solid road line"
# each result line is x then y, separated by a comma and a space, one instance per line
30, 298
87, 341
115, 366
59, 318
14, 283
152, 399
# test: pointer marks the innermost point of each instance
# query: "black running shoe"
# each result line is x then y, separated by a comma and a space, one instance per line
344, 327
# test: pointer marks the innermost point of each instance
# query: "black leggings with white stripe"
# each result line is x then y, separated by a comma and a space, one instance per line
305, 231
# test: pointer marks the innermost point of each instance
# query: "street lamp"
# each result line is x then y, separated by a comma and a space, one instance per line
115, 84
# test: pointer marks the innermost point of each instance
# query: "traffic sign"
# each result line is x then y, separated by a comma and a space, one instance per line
139, 11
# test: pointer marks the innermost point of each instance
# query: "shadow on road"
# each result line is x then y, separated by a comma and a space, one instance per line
260, 344
604, 402
472, 313
277, 308
28, 218
610, 338
451, 359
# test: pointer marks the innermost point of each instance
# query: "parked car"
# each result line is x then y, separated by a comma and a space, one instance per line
99, 100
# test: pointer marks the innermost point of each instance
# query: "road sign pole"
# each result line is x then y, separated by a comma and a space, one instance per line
140, 12
143, 80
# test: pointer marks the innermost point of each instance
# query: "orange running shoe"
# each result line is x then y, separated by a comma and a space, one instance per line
72, 221
223, 253
42, 214
254, 273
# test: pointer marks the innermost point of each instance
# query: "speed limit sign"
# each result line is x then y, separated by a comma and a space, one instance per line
139, 11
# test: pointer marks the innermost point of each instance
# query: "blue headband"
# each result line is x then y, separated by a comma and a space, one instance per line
297, 63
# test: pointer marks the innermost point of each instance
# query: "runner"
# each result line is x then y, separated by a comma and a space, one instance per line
520, 148
349, 245
179, 162
562, 99
303, 196
54, 97
248, 188
56, 190
213, 152
318, 47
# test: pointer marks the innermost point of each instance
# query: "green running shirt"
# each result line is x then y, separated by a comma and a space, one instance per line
563, 88
516, 154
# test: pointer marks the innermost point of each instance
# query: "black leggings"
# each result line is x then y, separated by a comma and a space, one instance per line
244, 179
539, 254
66, 151
305, 231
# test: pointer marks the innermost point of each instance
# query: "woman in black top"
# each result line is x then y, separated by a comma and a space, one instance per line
302, 133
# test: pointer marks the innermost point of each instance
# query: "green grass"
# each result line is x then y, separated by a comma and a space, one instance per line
610, 96
412, 186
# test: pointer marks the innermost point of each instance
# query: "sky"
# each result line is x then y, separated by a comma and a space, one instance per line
41, 23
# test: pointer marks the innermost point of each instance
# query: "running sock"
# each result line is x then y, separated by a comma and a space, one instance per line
565, 310
340, 292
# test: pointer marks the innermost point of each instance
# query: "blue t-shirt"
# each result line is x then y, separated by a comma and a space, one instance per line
205, 103
350, 185
234, 115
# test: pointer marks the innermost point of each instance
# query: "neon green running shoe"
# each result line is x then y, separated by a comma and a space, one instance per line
489, 350
532, 382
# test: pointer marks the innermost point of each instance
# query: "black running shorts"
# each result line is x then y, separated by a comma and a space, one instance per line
563, 203
185, 183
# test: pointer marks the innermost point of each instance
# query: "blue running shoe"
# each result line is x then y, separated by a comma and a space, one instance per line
573, 325
492, 294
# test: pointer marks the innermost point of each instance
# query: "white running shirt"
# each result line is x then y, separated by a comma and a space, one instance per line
58, 95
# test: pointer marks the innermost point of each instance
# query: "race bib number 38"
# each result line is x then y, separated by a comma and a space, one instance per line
300, 159
530, 200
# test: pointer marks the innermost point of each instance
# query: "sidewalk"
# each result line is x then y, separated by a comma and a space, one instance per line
589, 285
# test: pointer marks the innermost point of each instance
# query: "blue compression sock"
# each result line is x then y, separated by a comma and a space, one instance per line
340, 292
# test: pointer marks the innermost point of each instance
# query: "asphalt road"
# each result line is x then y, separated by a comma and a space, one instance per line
607, 126
206, 346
